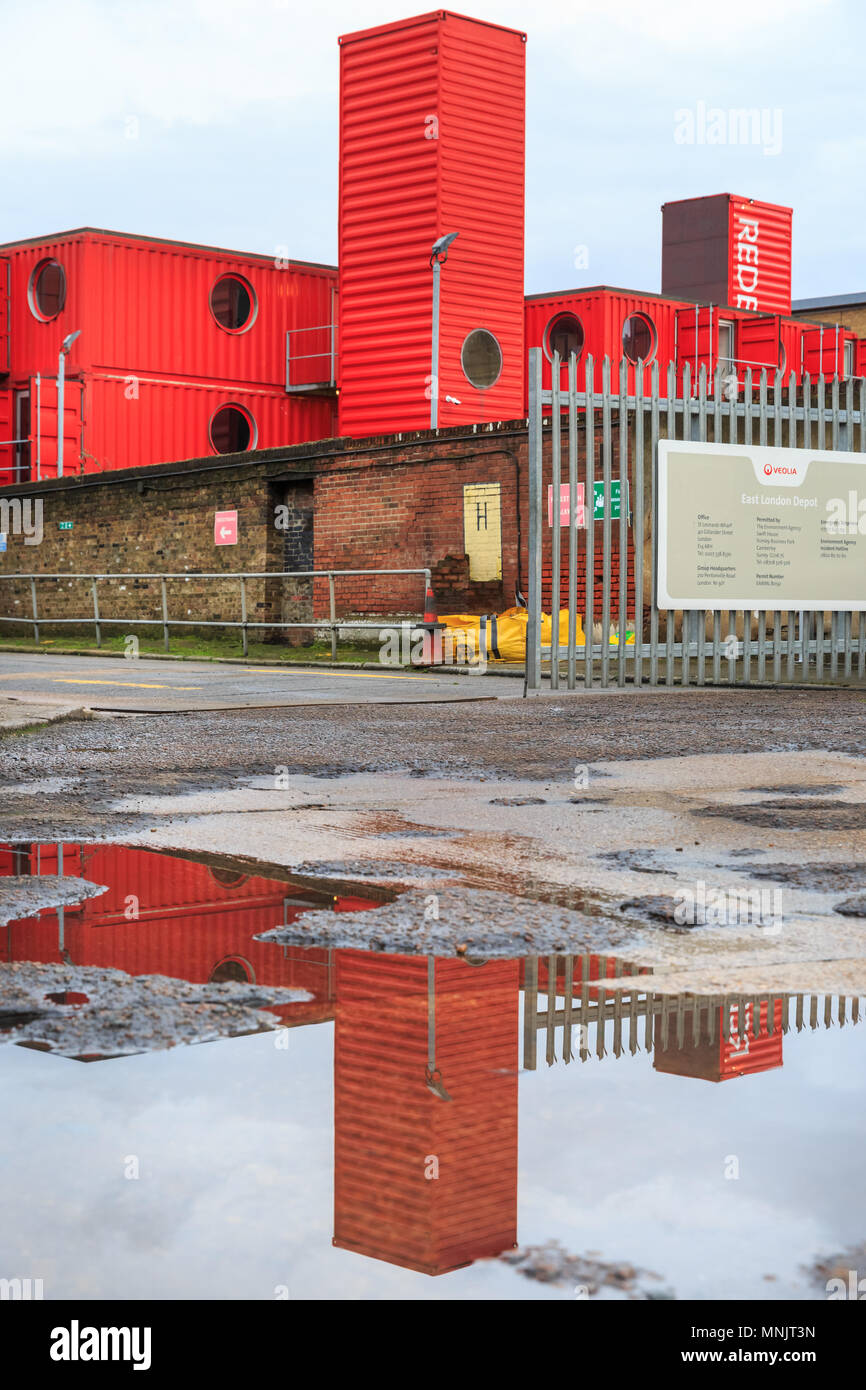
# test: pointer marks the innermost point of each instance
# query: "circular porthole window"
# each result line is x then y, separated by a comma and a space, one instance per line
481, 359
47, 292
564, 334
229, 878
232, 430
639, 338
232, 970
233, 303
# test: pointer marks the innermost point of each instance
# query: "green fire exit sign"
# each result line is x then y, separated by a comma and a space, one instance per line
64, 525
598, 500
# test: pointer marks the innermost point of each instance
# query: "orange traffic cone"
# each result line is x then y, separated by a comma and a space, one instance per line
431, 612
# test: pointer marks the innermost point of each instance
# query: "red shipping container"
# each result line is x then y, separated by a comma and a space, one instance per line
728, 250
390, 1202
602, 321
168, 334
746, 1050
5, 276
172, 916
431, 142
829, 349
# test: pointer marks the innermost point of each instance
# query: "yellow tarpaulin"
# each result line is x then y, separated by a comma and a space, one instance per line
505, 634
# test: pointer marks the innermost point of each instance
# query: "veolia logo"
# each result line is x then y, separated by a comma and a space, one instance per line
780, 467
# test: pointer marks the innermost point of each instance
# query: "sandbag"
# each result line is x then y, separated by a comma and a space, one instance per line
505, 634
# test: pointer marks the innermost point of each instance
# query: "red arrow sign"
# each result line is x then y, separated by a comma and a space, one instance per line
225, 528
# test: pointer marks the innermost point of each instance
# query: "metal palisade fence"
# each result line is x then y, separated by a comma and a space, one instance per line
602, 1006
607, 444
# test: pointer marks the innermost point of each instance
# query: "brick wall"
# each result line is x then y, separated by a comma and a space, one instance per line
149, 520
386, 502
399, 512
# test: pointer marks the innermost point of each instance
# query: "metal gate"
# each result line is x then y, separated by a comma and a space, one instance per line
719, 646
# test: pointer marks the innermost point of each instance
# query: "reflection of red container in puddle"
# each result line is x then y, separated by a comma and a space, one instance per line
746, 1050
171, 916
422, 1181
598, 968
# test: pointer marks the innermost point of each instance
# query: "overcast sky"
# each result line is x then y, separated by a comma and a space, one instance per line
216, 121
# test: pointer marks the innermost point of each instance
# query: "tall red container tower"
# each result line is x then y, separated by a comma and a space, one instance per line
432, 115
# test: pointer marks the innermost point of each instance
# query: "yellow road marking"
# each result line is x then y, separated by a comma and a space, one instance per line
138, 685
347, 675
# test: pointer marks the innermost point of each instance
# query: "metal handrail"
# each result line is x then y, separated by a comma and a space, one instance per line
333, 624
329, 353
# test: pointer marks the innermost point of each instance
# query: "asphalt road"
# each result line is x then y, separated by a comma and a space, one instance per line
143, 686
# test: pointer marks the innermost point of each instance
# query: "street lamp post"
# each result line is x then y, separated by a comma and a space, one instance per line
61, 392
438, 257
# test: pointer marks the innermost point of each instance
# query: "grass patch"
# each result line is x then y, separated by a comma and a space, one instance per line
194, 646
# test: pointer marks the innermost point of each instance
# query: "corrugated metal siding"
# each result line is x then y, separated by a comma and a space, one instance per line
603, 312
399, 188
757, 1049
153, 306
144, 306
599, 968
720, 1059
760, 340
5, 283
43, 427
160, 880
767, 279
33, 344
697, 339
143, 309
387, 1122
148, 420
7, 451
482, 156
388, 200
695, 248
791, 335
188, 923
824, 350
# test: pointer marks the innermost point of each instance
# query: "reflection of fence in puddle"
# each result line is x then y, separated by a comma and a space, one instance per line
568, 998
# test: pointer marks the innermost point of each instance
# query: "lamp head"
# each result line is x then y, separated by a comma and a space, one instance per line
439, 251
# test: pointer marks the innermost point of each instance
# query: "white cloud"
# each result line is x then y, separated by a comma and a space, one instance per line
236, 105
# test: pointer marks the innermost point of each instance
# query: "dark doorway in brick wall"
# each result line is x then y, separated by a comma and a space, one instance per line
294, 513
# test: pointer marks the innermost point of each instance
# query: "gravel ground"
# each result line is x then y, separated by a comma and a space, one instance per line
24, 896
526, 739
120, 1014
483, 795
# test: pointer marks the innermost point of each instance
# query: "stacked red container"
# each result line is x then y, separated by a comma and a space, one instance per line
431, 142
169, 336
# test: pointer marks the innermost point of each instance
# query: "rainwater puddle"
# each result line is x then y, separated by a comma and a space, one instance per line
402, 1126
